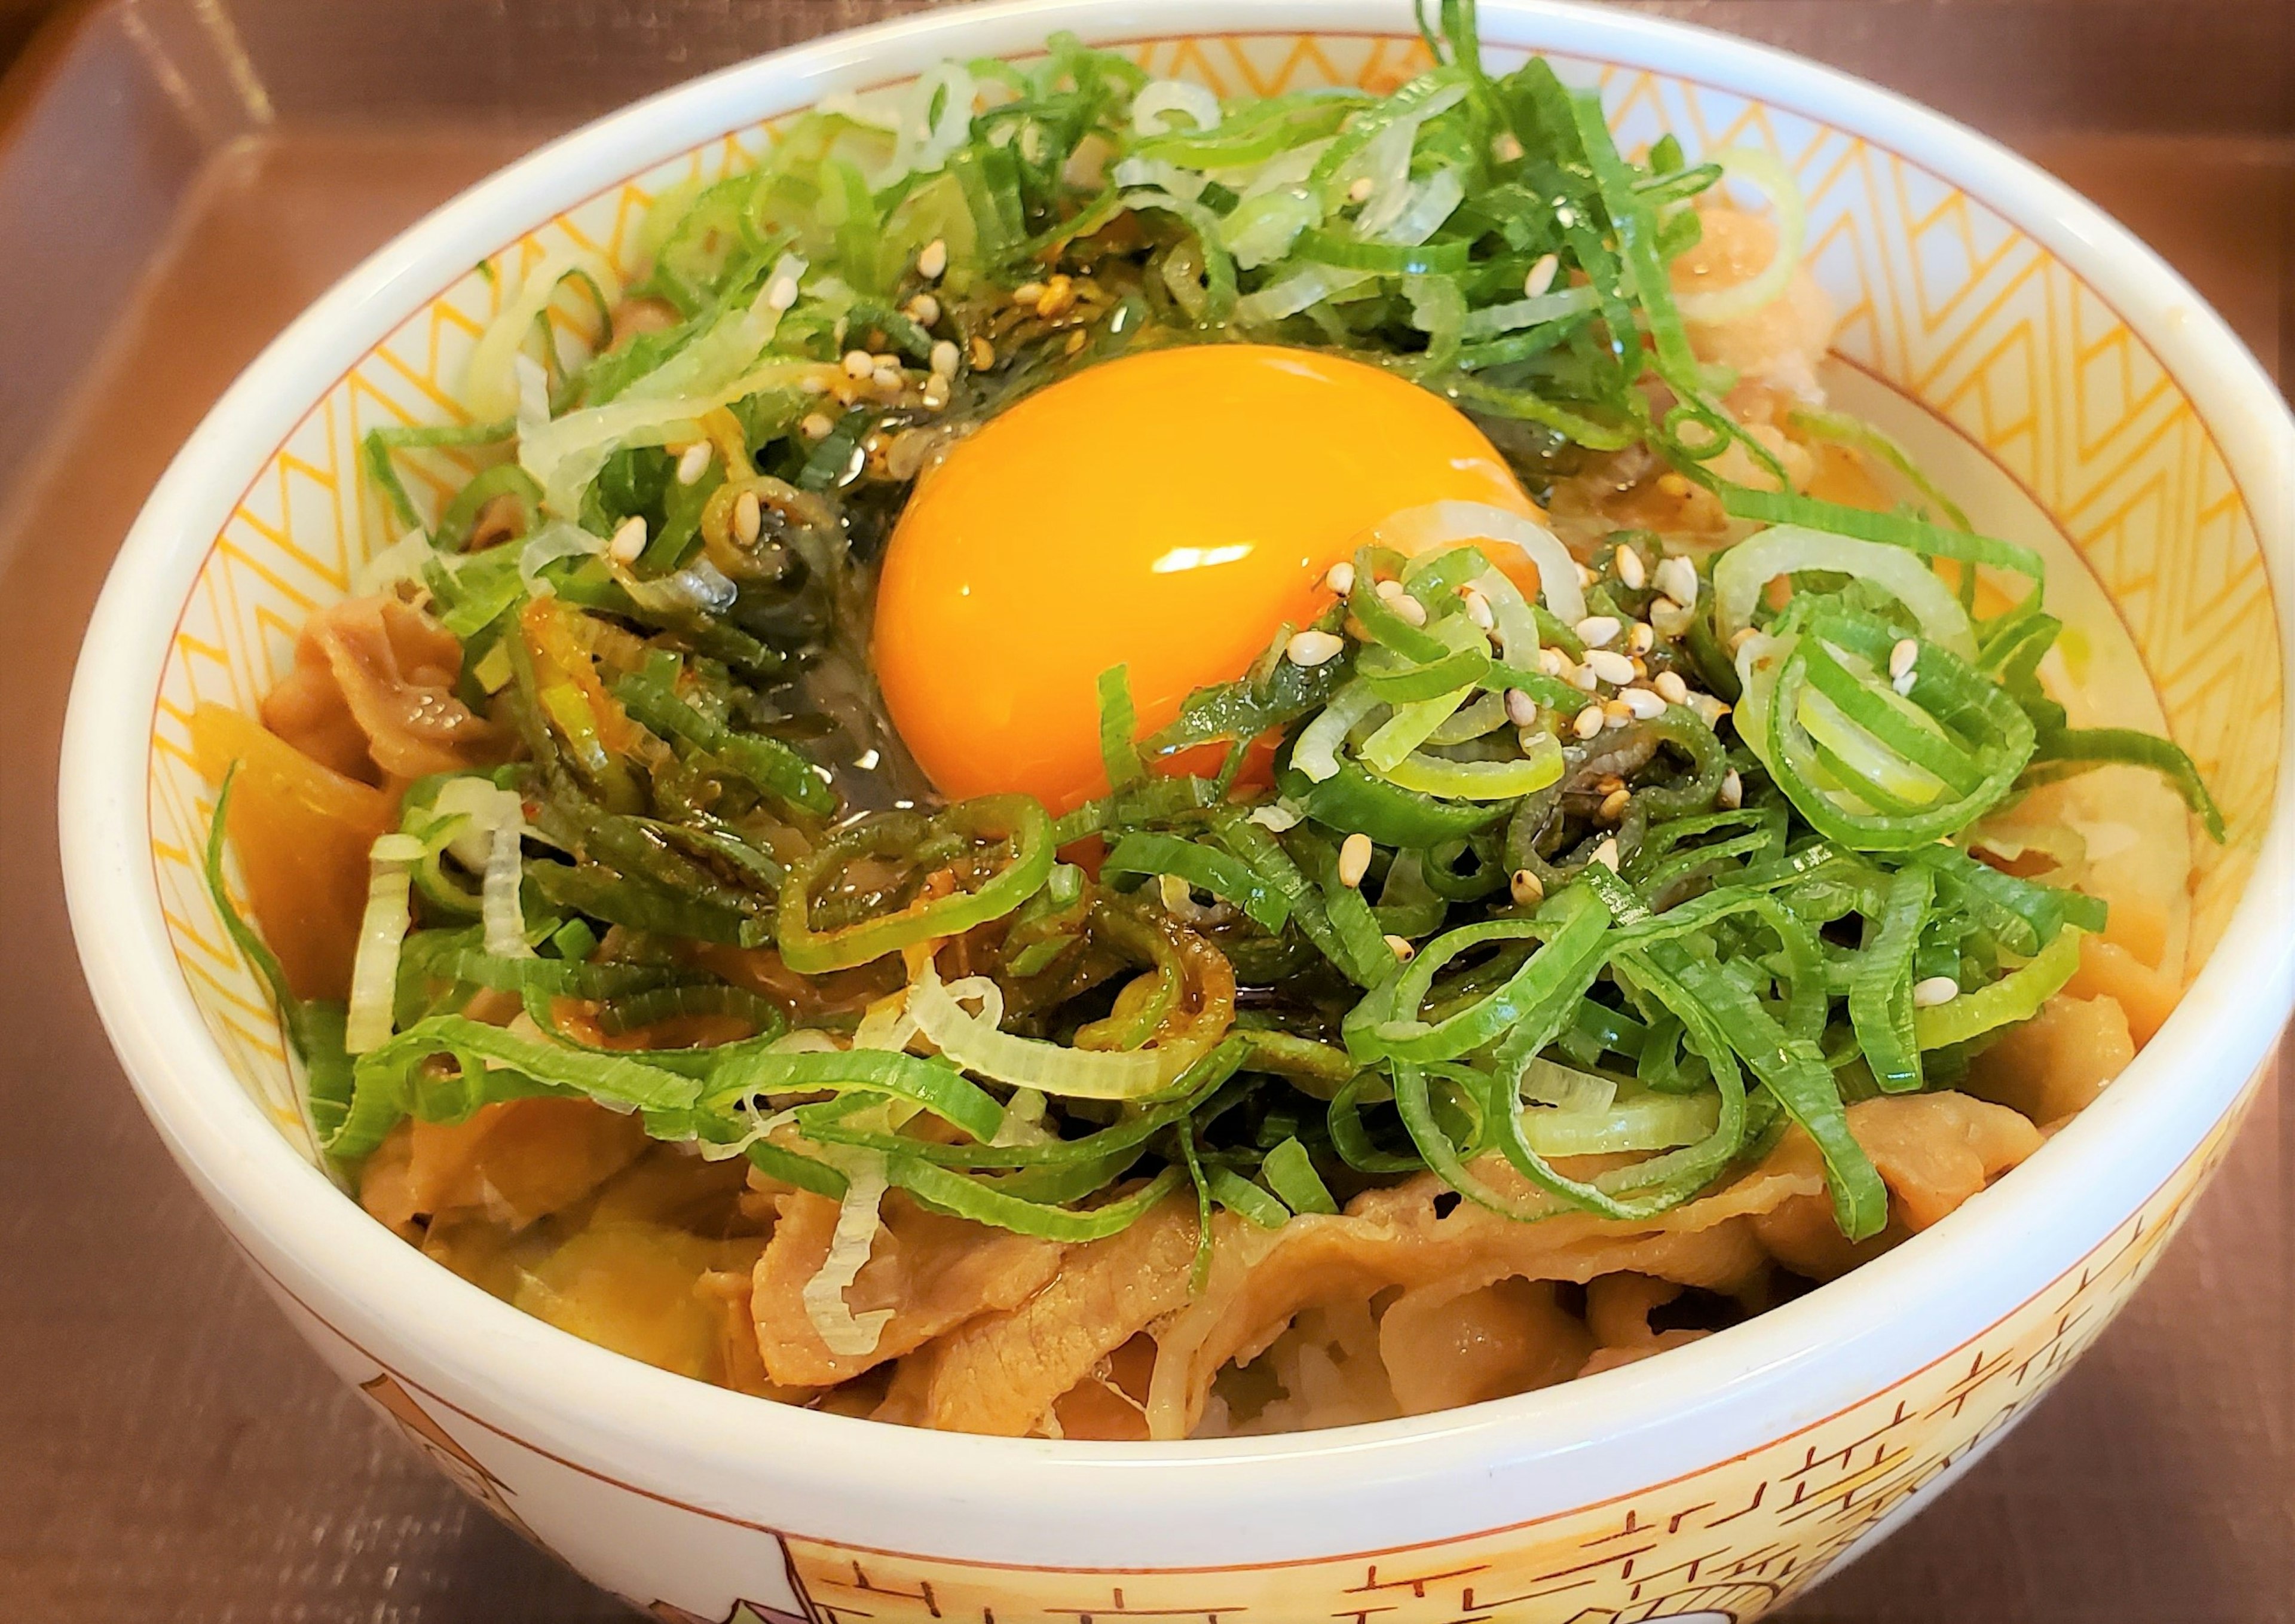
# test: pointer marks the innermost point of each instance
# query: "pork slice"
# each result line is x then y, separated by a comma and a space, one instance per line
1001, 1374
1933, 1150
933, 1271
1400, 1237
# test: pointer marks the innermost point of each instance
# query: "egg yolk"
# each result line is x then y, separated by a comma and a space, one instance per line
1168, 512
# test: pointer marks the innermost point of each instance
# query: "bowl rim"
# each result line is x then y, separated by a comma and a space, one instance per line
2219, 1033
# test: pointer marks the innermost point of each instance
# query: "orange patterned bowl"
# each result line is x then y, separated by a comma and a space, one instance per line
2072, 391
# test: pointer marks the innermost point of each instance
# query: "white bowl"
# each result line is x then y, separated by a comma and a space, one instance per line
2093, 394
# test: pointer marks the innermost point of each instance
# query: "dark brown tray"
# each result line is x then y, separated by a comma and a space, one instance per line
178, 177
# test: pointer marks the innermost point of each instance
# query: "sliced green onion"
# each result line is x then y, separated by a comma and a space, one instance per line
1881, 989
1117, 724
2097, 746
966, 1197
2016, 996
1783, 508
1741, 573
1017, 821
1202, 867
382, 932
1239, 1195
1791, 218
1500, 780
1290, 1173
977, 1044
933, 1085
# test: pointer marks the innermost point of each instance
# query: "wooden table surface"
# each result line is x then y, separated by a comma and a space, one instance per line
168, 1450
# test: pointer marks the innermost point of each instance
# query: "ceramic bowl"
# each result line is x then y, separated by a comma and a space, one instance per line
2076, 391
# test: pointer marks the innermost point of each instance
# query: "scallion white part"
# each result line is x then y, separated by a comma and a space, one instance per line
499, 905
1292, 294
976, 1043
845, 1332
1415, 530
1159, 99
554, 539
926, 138
1636, 1119
1548, 1082
382, 932
1790, 220
402, 561
490, 388
1741, 573
533, 394
1317, 752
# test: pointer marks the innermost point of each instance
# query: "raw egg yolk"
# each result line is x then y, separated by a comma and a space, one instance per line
1168, 512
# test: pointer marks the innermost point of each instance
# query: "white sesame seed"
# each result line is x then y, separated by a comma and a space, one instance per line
1354, 859
1709, 710
945, 358
1400, 946
1606, 855
1731, 795
1526, 888
1901, 656
1596, 631
1936, 989
1478, 607
935, 392
1580, 677
859, 364
1677, 578
1614, 803
1738, 639
982, 354
1541, 275
1904, 684
1408, 608
1586, 576
629, 541
1589, 721
1627, 563
815, 426
781, 294
1616, 712
1671, 688
1644, 703
1552, 661
1028, 293
1609, 666
1565, 216
1359, 192
1389, 590
1506, 148
812, 383
693, 463
1339, 580
1641, 638
932, 261
924, 310
1522, 710
1314, 648
748, 517
885, 378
